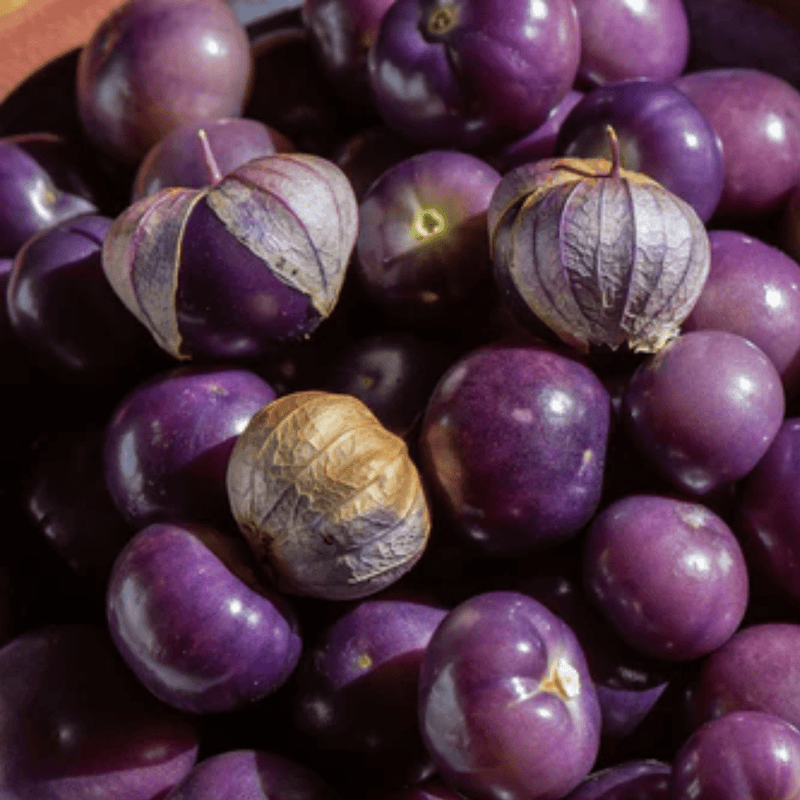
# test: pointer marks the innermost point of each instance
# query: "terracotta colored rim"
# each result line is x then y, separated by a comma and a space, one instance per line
33, 32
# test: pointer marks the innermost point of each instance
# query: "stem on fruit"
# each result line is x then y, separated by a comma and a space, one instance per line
443, 19
214, 172
563, 680
428, 222
613, 143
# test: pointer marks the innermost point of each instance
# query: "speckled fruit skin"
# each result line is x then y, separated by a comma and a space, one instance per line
435, 68
76, 723
704, 409
757, 669
251, 775
757, 117
620, 39
167, 443
753, 290
514, 440
152, 65
194, 624
506, 707
669, 575
746, 755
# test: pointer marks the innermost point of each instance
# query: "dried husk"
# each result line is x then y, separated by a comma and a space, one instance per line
328, 499
603, 256
296, 212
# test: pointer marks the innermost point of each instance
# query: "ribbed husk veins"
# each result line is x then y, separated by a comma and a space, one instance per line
295, 212
329, 500
603, 256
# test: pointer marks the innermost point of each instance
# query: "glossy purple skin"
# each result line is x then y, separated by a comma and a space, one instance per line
646, 779
541, 142
194, 625
747, 755
393, 374
356, 686
152, 65
669, 575
529, 406
628, 684
661, 132
768, 511
93, 337
507, 708
218, 277
67, 499
179, 158
342, 32
620, 40
40, 185
76, 723
757, 669
704, 409
168, 442
753, 290
422, 247
251, 775
757, 117
532, 51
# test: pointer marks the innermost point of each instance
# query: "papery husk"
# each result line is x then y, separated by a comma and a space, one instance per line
141, 256
329, 500
292, 182
280, 207
604, 257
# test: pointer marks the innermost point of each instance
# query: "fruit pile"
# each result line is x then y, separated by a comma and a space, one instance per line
402, 402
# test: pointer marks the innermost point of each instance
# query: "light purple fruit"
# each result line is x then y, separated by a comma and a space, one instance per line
669, 575
194, 623
621, 39
507, 708
753, 290
746, 755
757, 669
530, 406
757, 117
705, 409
